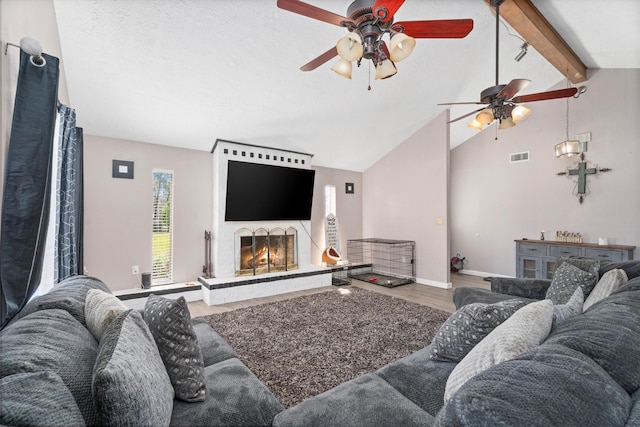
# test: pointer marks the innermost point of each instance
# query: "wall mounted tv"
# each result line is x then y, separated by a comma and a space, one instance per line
259, 192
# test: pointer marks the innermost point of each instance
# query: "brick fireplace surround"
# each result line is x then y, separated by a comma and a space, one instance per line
226, 286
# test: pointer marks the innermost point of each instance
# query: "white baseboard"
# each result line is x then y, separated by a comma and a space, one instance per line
479, 273
427, 282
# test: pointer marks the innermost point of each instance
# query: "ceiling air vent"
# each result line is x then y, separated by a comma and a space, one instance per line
519, 157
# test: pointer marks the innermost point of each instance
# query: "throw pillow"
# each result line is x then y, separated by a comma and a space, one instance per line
573, 307
468, 326
130, 384
100, 308
609, 282
565, 280
585, 264
525, 329
170, 324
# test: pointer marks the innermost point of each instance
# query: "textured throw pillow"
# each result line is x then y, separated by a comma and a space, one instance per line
468, 326
566, 279
170, 324
609, 282
585, 264
100, 308
573, 307
130, 384
525, 329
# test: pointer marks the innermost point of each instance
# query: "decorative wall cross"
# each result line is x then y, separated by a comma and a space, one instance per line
582, 171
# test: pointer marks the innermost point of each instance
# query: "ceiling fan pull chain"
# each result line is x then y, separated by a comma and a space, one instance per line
369, 73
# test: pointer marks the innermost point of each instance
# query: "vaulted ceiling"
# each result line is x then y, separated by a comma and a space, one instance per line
185, 72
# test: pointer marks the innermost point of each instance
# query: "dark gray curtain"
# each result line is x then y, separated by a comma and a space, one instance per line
25, 197
69, 198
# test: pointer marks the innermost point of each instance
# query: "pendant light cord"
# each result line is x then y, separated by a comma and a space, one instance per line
568, 86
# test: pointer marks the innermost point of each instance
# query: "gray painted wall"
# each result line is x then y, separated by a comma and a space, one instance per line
405, 195
494, 202
118, 212
349, 207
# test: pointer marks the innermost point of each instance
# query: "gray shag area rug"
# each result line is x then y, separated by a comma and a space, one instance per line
306, 345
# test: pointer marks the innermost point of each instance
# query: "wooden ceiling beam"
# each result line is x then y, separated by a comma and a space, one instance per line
527, 20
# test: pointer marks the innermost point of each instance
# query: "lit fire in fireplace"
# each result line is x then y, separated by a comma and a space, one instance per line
266, 253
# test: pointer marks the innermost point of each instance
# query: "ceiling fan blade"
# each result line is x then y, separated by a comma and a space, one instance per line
439, 29
462, 103
514, 86
311, 11
541, 96
315, 63
391, 6
466, 115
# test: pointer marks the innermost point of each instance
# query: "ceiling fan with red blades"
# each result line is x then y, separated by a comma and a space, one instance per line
367, 21
500, 101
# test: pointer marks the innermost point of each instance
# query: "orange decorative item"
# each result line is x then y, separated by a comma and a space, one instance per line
331, 255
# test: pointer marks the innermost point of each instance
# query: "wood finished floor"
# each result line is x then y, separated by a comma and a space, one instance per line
441, 299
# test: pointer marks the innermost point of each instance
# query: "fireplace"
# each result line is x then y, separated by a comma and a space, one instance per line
264, 250
269, 246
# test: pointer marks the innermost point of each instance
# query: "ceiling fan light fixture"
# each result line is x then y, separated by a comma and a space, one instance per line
350, 47
343, 67
568, 148
385, 69
475, 124
485, 116
519, 113
506, 123
401, 46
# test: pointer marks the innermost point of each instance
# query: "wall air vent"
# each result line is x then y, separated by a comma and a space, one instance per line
519, 157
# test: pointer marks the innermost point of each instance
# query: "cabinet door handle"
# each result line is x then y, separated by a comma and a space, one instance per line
566, 252
603, 256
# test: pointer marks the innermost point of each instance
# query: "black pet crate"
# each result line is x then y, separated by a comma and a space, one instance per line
392, 261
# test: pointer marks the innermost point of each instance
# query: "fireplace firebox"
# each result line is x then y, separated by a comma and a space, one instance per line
263, 251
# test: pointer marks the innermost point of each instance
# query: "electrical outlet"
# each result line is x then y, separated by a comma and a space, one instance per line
135, 269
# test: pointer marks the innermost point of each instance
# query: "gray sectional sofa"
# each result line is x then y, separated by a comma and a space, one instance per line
586, 372
55, 372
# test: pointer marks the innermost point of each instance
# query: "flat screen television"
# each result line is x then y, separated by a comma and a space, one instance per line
259, 192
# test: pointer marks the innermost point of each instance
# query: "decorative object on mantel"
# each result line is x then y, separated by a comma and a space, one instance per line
581, 172
566, 236
542, 235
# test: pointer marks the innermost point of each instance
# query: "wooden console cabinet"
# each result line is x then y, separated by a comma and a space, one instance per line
536, 259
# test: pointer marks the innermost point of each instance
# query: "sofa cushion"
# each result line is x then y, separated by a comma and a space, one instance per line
170, 325
549, 385
573, 307
631, 268
70, 295
214, 348
608, 333
130, 383
468, 326
525, 329
609, 282
566, 278
634, 417
415, 373
37, 398
235, 397
365, 401
52, 341
100, 308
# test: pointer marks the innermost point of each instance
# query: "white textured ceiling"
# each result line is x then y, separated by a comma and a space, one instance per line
185, 72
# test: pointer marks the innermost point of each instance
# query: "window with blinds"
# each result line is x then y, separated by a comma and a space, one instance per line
162, 244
